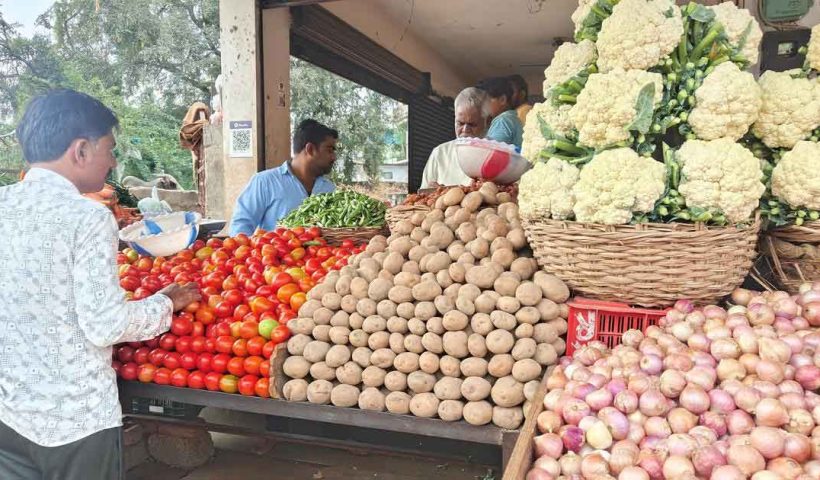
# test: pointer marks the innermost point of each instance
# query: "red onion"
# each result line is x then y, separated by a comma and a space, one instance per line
730, 369
626, 401
771, 413
706, 459
681, 444
632, 338
678, 467
786, 468
732, 321
633, 473
572, 437
538, 474
616, 386
681, 420
548, 421
812, 468
747, 399
790, 386
768, 441
672, 383
800, 360
702, 376
594, 464
682, 331
570, 464
739, 422
811, 312
770, 371
715, 422
761, 314
797, 447
574, 410
548, 444
748, 361
741, 296
746, 458
615, 421
724, 348
598, 380
556, 380
639, 383
636, 433
684, 306
720, 401
786, 308
587, 422
783, 326
792, 401
800, 421
774, 350
694, 399
652, 443
580, 390
651, 364
704, 435
549, 465
717, 332
699, 342
766, 389
808, 376
599, 399
727, 472
552, 399
657, 427
652, 465
800, 323
653, 403
714, 311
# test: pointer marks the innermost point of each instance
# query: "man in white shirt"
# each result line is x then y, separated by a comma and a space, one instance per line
472, 112
62, 305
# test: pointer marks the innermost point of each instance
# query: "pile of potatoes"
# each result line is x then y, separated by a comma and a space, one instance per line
442, 319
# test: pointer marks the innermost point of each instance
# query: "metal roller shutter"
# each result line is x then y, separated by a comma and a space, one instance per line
430, 124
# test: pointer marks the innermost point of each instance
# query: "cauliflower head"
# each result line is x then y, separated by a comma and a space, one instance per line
615, 184
741, 29
568, 61
638, 34
581, 13
720, 174
727, 104
813, 54
556, 117
796, 178
546, 189
605, 108
790, 109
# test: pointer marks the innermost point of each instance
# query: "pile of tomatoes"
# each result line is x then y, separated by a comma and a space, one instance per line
251, 287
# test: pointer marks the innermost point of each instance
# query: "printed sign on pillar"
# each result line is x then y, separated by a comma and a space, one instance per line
241, 139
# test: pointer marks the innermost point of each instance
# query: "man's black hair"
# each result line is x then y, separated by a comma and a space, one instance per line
518, 81
56, 118
311, 131
497, 87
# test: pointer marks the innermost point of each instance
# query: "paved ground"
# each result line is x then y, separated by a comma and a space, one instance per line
243, 458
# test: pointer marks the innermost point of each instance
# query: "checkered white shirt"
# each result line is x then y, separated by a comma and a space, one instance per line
61, 310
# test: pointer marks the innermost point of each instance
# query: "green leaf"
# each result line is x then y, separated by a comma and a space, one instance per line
669, 13
702, 14
644, 108
744, 37
546, 131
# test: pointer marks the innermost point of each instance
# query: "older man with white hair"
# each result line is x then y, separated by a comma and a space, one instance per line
472, 112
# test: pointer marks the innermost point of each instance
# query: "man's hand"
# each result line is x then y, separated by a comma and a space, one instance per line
181, 295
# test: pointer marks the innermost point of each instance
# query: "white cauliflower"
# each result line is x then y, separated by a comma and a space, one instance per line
581, 13
790, 109
741, 28
615, 184
727, 104
546, 190
605, 108
813, 54
720, 174
796, 178
638, 34
569, 60
556, 117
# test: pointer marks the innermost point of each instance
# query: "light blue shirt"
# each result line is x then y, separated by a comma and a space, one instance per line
506, 128
271, 195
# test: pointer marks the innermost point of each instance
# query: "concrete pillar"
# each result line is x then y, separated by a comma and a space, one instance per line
241, 102
276, 74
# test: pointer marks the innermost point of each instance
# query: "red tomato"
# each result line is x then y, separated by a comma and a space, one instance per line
318, 275
151, 283
183, 344
130, 283
281, 279
210, 345
347, 243
251, 365
129, 371
214, 242
196, 380
260, 305
236, 366
198, 344
144, 264
255, 345
240, 347
222, 329
205, 314
172, 360
280, 334
298, 253
228, 384
262, 388
198, 330
125, 354
249, 329
204, 362
212, 381
146, 373
285, 316
286, 291
223, 309
167, 341
235, 327
240, 312
156, 356
264, 368
141, 355
247, 385
313, 232
267, 349
224, 344
219, 362
162, 376
179, 378
188, 360
141, 293
116, 365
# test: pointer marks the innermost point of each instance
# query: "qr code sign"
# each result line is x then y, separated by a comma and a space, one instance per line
241, 139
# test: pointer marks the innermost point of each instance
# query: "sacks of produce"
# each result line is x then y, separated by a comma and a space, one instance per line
442, 319
648, 178
709, 394
341, 215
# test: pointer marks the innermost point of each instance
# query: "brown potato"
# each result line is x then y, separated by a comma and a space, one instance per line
479, 248
418, 235
406, 310
378, 289
455, 250
349, 373
448, 388
524, 330
413, 344
508, 418
316, 351
297, 343
397, 402
478, 413
440, 235
509, 305
500, 341
426, 291
361, 356
320, 371
476, 345
373, 376
450, 366
416, 326
528, 315
443, 278
386, 309
560, 326
319, 392
528, 293
295, 390
308, 308
500, 365
435, 325
340, 319
349, 303
517, 238
551, 287
406, 279
323, 315
444, 304
474, 367
296, 367
428, 362
366, 307
546, 354
374, 323
378, 340
450, 410
469, 292
397, 343
503, 320
337, 356
544, 333
523, 267
383, 358
321, 333
358, 338
407, 362
425, 310
526, 369
472, 201
507, 392
548, 309
339, 335
420, 382
417, 253
454, 320
432, 342
402, 245
507, 283
424, 405
482, 276
466, 232
371, 399
344, 395
455, 344
481, 324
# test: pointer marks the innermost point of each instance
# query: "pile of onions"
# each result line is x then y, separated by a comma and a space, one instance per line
708, 393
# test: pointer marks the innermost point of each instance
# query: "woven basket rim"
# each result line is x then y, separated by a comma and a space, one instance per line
809, 232
674, 227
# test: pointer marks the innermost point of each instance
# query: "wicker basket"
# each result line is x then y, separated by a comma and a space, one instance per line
403, 212
335, 236
790, 256
651, 265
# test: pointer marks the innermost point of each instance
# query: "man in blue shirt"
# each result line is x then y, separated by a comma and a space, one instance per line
505, 127
272, 194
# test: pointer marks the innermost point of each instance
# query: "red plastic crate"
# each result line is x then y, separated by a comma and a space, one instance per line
605, 321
